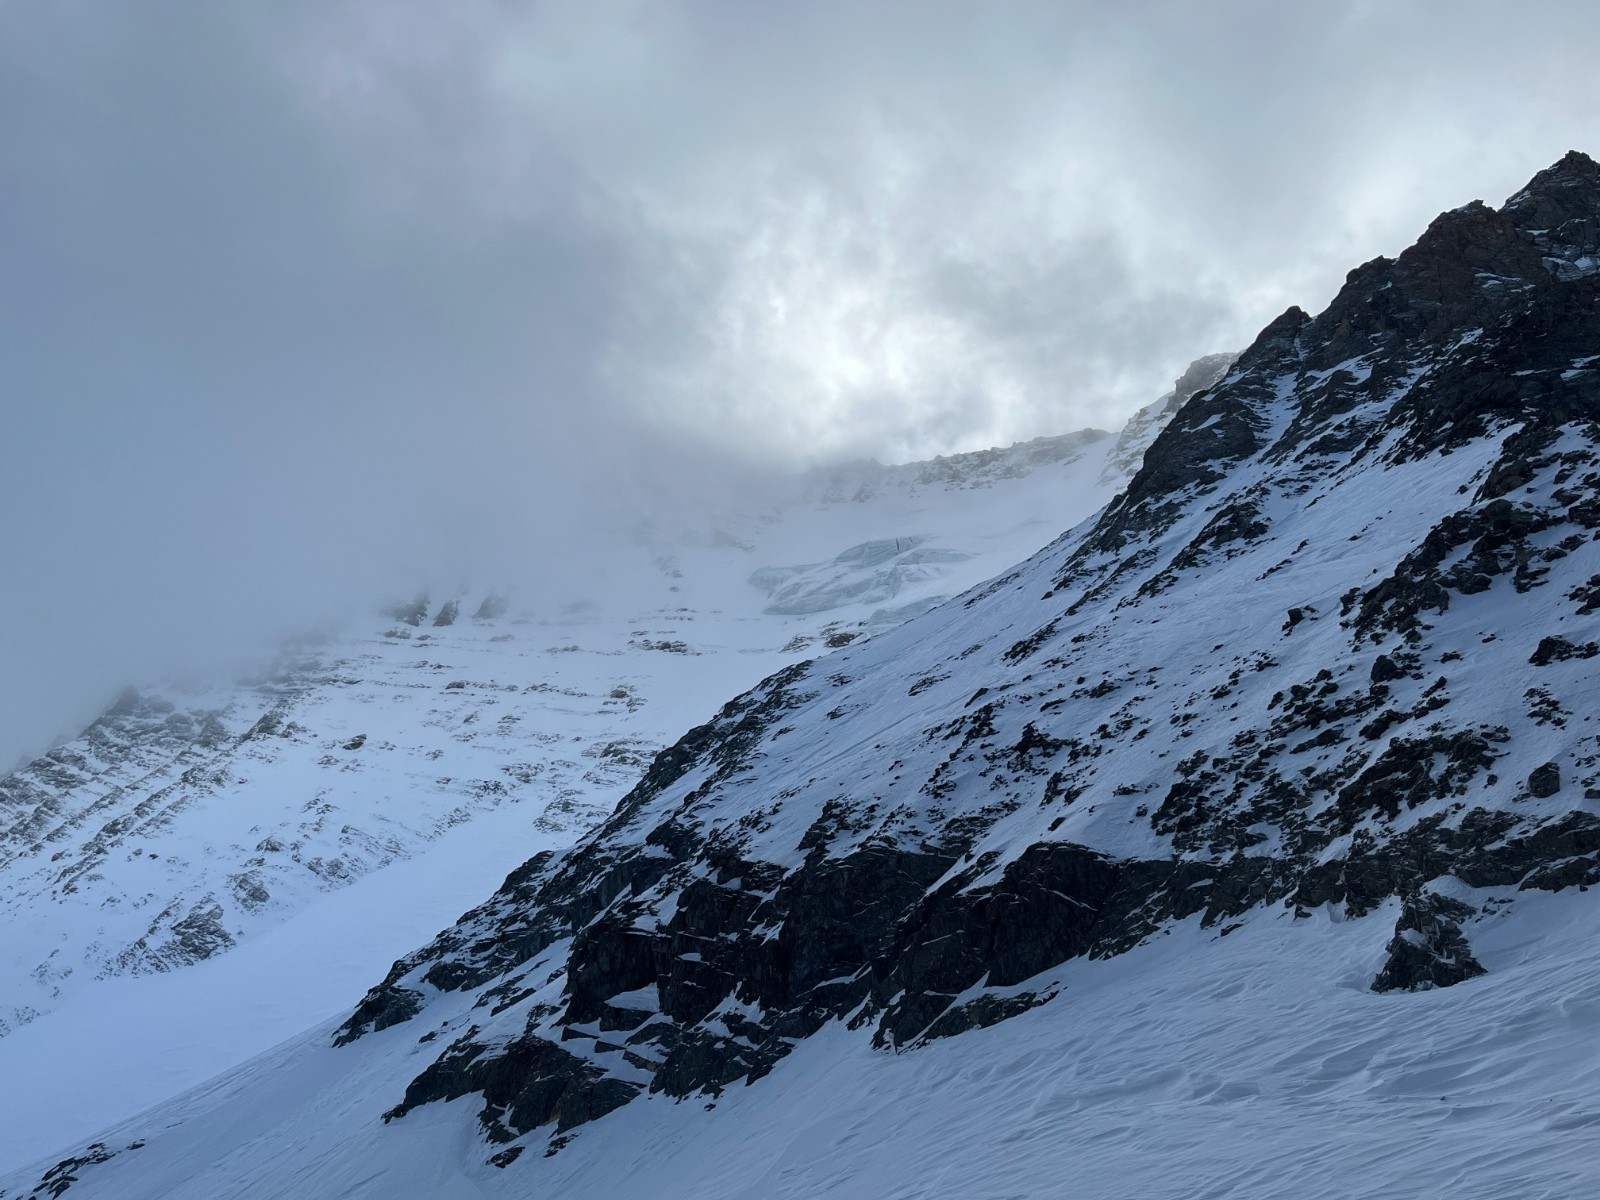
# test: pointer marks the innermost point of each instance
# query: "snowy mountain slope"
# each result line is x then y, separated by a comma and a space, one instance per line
1331, 646
252, 822
1325, 655
1318, 682
862, 481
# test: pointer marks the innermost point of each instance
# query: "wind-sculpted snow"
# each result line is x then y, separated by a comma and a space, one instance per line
1289, 666
1253, 1065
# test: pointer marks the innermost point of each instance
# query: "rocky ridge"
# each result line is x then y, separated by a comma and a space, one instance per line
1329, 649
861, 481
1127, 455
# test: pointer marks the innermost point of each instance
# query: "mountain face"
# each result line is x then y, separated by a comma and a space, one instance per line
204, 845
1332, 646
862, 481
1301, 722
1128, 454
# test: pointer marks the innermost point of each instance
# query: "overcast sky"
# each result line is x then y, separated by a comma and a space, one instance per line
295, 293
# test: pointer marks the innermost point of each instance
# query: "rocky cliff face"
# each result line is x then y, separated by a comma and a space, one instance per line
1127, 455
1335, 644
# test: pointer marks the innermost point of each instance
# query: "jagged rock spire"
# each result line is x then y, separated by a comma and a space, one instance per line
1560, 211
1566, 189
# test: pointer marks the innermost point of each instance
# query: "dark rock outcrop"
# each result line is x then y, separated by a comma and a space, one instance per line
413, 613
1545, 781
1558, 649
1428, 949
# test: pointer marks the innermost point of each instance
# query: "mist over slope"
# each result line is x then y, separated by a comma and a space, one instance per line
170, 876
1316, 682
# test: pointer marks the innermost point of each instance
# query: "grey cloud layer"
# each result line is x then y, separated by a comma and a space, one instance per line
298, 296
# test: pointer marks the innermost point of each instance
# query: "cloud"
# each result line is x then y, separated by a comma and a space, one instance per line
300, 298
904, 228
